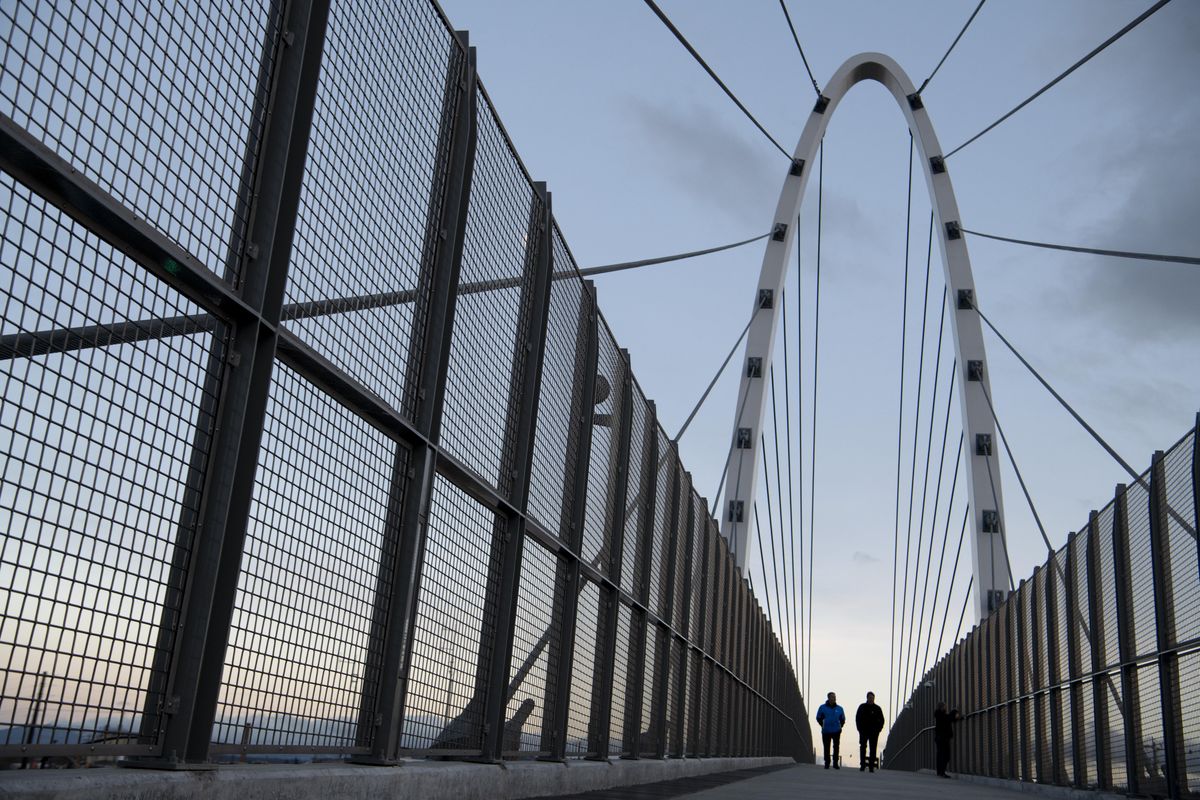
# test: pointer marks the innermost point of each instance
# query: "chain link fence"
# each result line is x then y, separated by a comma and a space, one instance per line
1088, 675
314, 442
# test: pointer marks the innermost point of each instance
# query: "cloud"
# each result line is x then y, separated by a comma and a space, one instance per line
709, 159
1156, 212
860, 557
1150, 176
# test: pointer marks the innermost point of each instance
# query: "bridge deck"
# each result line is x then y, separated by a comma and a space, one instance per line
814, 781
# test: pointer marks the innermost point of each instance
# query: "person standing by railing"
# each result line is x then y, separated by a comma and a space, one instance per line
832, 719
869, 721
943, 732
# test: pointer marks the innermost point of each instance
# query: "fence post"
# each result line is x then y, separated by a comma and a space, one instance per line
1196, 483
683, 618
600, 724
700, 606
635, 675
1175, 758
1097, 623
508, 539
712, 572
1123, 589
561, 655
1040, 694
1053, 692
182, 699
381, 714
1074, 663
1021, 675
1011, 688
666, 610
979, 720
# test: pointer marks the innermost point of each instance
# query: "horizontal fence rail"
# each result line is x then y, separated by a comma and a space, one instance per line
315, 443
1088, 675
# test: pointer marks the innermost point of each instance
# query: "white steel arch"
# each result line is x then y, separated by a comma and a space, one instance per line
989, 556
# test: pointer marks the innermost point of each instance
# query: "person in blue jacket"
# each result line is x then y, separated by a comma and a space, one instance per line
832, 719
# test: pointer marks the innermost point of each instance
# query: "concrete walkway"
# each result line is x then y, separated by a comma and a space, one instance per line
806, 780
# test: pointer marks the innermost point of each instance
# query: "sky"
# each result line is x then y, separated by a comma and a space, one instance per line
645, 156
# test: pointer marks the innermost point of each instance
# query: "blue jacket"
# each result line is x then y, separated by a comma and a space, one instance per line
832, 718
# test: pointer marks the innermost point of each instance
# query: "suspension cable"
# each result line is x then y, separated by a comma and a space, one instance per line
937, 586
970, 19
916, 642
796, 38
962, 614
784, 618
915, 645
1000, 526
912, 479
892, 696
1032, 508
804, 603
812, 477
1074, 414
646, 262
1012, 460
696, 408
787, 418
762, 563
953, 575
770, 522
682, 40
778, 484
733, 441
1091, 250
1144, 16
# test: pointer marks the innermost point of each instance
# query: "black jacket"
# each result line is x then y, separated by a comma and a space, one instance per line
943, 722
869, 718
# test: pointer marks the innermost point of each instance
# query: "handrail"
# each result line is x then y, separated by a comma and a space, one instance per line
917, 735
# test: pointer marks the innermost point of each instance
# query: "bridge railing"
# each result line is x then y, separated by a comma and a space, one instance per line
315, 444
1088, 675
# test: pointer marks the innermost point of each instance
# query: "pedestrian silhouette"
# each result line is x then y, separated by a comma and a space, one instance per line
832, 719
943, 732
869, 721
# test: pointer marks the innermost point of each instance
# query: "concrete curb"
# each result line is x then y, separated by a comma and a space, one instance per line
1040, 789
428, 780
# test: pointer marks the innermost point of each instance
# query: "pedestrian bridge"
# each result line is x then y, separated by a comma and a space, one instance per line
317, 448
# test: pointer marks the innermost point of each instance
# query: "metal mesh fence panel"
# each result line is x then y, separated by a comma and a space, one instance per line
1116, 733
648, 730
1189, 693
113, 388
579, 716
369, 190
529, 680
155, 102
675, 662
557, 434
303, 610
1151, 752
444, 709
1088, 745
692, 703
98, 444
602, 465
486, 320
620, 683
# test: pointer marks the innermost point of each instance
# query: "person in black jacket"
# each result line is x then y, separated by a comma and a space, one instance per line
869, 721
943, 732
